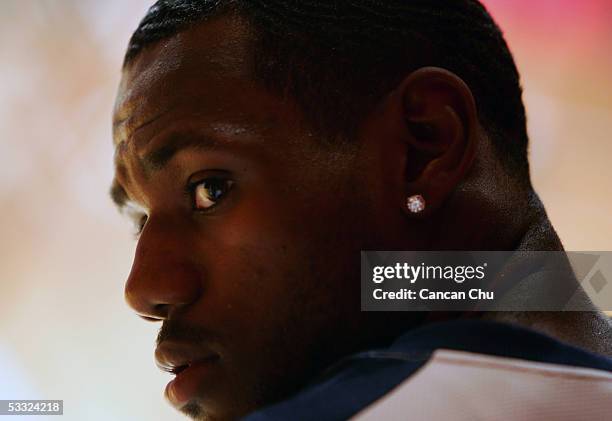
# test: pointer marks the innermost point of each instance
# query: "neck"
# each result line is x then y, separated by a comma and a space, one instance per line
587, 329
507, 219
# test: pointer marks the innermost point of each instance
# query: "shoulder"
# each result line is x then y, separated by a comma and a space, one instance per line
460, 385
467, 366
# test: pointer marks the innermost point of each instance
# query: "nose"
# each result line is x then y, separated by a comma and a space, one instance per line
161, 280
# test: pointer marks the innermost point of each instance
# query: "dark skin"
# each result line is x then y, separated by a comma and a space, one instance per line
250, 251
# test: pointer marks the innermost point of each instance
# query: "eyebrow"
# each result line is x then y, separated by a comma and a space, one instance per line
159, 157
122, 121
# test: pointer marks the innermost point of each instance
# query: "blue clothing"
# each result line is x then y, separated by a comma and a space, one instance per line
358, 380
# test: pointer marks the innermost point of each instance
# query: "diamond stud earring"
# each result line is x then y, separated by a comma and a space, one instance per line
415, 203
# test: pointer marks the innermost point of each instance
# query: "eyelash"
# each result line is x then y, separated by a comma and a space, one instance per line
140, 224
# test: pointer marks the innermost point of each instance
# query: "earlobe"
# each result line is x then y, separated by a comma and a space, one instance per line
441, 132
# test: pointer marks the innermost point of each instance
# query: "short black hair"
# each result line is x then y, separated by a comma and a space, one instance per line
339, 58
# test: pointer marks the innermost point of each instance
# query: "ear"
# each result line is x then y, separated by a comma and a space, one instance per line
440, 129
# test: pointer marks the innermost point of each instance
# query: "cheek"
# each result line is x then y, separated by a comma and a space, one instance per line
249, 283
246, 257
277, 255
275, 248
276, 285
264, 270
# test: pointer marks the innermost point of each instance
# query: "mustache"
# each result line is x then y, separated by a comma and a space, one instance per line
174, 330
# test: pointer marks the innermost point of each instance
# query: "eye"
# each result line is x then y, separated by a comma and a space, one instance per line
208, 192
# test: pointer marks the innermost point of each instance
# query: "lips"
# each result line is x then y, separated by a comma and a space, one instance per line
190, 364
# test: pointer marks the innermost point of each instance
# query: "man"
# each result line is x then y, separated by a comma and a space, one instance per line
260, 145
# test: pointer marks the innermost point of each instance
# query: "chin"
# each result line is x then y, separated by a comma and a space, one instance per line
197, 413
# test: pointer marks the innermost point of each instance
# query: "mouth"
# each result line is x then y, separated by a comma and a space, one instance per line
177, 370
191, 367
189, 382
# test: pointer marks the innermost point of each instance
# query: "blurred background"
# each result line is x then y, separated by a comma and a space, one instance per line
65, 252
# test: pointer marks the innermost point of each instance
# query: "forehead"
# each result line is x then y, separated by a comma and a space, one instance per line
198, 70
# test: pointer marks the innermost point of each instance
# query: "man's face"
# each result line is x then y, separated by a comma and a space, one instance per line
250, 250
